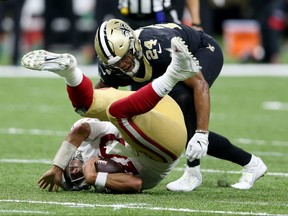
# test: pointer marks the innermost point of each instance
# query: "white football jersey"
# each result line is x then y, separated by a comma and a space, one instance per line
105, 136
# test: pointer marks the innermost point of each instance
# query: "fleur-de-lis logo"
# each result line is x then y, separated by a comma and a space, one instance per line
125, 30
211, 48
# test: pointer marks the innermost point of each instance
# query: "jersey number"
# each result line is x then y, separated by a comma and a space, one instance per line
151, 53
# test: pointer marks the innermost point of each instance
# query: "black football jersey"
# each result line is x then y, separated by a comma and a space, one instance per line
156, 43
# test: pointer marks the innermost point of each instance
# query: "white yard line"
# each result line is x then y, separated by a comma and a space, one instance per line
32, 132
25, 161
279, 174
141, 206
63, 133
248, 141
23, 212
274, 105
44, 161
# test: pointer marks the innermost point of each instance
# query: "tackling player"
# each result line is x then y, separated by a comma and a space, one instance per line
128, 56
149, 121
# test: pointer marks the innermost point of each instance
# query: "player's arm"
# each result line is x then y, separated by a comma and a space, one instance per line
53, 177
201, 100
193, 7
117, 182
197, 146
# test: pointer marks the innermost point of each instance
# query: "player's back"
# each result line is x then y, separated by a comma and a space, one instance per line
156, 43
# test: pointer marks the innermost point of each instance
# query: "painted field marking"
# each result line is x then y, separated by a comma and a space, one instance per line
32, 132
39, 132
141, 206
23, 212
275, 105
43, 161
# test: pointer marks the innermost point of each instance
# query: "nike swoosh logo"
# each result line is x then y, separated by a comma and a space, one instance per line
50, 58
104, 73
160, 49
199, 143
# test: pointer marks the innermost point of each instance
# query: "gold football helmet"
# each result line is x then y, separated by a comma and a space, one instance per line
113, 40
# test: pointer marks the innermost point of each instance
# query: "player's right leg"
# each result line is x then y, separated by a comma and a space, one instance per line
79, 87
64, 65
43, 60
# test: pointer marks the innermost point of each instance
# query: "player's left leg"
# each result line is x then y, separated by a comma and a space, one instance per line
159, 133
192, 177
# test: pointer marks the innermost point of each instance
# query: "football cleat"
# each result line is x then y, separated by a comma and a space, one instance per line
42, 60
183, 64
189, 181
251, 173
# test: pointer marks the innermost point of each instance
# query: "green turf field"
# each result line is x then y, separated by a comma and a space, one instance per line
251, 111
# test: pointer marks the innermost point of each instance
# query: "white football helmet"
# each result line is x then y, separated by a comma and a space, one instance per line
71, 180
113, 40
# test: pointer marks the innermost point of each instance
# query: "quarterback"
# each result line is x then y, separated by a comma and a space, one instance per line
98, 140
130, 56
149, 120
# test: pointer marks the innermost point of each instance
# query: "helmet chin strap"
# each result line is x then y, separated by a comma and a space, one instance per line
137, 55
113, 60
135, 69
133, 46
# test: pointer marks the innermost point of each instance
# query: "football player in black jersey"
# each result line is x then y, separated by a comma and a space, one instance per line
129, 56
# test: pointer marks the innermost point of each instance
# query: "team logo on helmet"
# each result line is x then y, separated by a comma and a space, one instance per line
113, 39
126, 30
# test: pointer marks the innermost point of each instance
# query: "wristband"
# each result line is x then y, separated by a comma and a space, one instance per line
101, 179
202, 131
64, 155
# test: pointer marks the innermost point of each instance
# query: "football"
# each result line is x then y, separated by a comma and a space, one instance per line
108, 166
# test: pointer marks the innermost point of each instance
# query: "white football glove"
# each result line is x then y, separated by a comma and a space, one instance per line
197, 147
43, 60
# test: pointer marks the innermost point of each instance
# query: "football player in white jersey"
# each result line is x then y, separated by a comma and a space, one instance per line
101, 139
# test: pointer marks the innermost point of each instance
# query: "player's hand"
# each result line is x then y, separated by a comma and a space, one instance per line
89, 170
43, 60
51, 178
197, 147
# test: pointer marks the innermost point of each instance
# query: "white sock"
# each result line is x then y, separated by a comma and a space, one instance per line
252, 162
73, 78
164, 84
